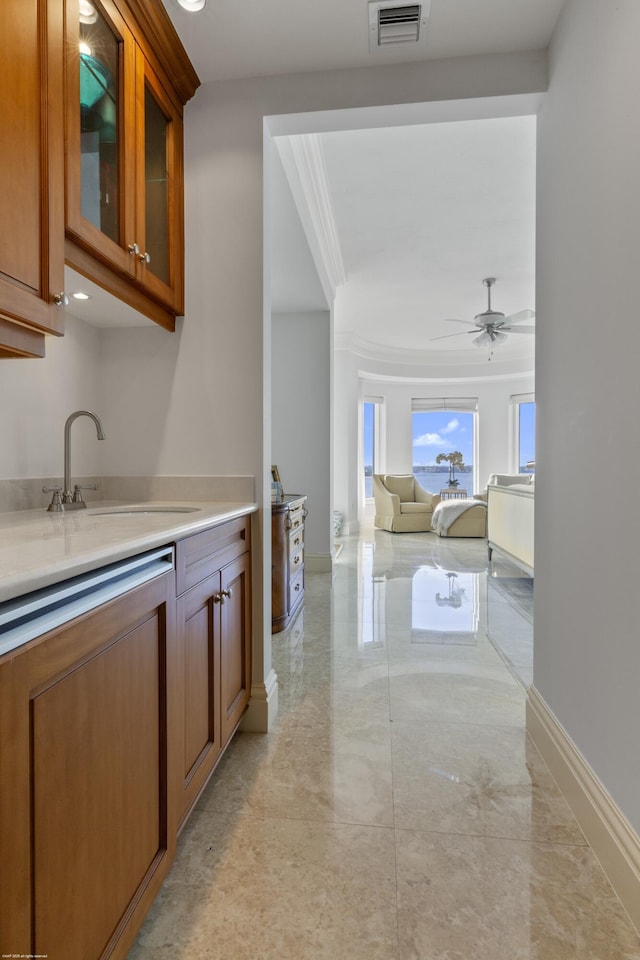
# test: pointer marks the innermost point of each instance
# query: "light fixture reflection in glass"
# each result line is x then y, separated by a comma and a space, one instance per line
192, 5
80, 296
84, 47
87, 12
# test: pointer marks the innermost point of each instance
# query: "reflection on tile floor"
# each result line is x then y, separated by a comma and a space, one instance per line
398, 810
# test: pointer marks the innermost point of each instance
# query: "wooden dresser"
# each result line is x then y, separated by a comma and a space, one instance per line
287, 558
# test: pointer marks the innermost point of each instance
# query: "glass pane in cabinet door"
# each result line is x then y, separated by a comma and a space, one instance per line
99, 99
156, 187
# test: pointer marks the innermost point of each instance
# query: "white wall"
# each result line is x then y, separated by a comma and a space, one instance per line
301, 391
587, 652
345, 439
37, 396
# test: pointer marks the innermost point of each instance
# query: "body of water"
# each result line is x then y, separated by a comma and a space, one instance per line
435, 482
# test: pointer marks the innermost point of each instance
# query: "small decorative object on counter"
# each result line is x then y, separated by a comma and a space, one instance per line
276, 492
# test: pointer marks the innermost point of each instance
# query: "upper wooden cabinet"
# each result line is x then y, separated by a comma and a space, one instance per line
124, 149
32, 175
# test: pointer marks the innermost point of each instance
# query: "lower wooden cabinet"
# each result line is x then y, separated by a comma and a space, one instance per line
214, 637
87, 817
110, 726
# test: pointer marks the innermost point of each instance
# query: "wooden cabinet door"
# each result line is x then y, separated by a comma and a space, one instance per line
235, 643
100, 131
198, 619
125, 194
87, 817
32, 181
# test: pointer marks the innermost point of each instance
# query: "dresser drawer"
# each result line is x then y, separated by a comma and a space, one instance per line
296, 563
296, 540
296, 518
296, 589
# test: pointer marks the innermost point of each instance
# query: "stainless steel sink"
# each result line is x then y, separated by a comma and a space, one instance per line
137, 509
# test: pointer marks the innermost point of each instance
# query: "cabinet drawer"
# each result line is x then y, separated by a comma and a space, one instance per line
296, 562
296, 518
296, 590
198, 555
296, 541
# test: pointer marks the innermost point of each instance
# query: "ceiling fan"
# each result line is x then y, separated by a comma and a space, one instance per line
491, 325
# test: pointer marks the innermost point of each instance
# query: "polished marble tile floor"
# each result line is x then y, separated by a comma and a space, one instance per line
397, 811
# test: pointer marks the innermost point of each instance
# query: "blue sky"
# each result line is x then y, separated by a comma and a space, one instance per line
435, 433
527, 432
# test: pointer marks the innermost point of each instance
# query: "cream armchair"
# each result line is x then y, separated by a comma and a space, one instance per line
402, 506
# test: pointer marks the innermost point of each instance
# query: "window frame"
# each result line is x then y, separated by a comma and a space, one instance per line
516, 400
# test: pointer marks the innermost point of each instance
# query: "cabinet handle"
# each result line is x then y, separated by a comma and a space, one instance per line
296, 588
297, 559
227, 593
144, 257
217, 598
133, 248
296, 541
61, 299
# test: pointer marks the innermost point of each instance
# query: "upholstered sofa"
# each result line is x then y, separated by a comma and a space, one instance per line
402, 506
510, 520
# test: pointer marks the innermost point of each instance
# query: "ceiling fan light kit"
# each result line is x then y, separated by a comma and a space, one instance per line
492, 324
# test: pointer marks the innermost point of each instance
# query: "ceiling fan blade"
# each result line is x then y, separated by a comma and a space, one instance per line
520, 316
460, 334
468, 323
519, 329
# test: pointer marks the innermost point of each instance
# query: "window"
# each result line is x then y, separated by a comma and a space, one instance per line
526, 432
371, 408
442, 427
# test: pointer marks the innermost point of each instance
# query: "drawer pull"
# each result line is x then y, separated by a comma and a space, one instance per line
297, 559
296, 541
296, 588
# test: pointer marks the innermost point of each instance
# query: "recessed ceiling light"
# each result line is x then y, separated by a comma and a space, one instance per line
80, 296
87, 12
192, 5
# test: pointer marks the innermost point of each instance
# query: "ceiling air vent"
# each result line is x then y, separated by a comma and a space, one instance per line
396, 21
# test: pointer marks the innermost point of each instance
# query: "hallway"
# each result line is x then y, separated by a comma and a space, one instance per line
397, 811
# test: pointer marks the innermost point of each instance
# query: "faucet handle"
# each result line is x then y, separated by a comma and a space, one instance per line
79, 487
56, 500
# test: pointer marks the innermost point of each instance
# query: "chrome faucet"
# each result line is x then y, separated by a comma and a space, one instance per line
73, 500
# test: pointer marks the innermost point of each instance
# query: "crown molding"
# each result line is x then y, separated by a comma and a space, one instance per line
308, 158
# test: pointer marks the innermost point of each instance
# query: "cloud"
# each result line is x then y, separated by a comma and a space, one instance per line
451, 426
430, 440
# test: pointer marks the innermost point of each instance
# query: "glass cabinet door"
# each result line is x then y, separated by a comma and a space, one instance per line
160, 134
100, 49
99, 134
156, 186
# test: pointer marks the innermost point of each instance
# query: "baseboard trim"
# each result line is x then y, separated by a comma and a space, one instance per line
263, 706
612, 838
318, 562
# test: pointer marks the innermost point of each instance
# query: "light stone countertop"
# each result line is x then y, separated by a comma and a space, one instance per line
38, 548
